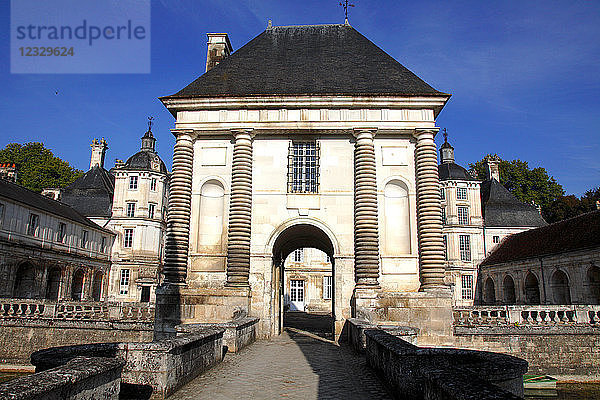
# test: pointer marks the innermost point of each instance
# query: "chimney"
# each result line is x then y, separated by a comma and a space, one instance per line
98, 150
119, 163
492, 167
8, 171
219, 47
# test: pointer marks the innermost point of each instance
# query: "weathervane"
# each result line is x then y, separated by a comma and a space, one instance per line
345, 4
445, 135
150, 119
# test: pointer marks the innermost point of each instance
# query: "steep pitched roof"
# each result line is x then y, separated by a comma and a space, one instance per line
23, 195
310, 59
92, 194
502, 209
572, 234
453, 171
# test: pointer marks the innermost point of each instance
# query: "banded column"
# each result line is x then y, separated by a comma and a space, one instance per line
240, 210
178, 220
429, 212
366, 223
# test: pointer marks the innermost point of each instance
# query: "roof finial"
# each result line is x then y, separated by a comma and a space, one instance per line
345, 4
150, 119
270, 24
445, 135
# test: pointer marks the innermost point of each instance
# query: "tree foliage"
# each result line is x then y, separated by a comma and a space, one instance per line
570, 206
37, 167
526, 184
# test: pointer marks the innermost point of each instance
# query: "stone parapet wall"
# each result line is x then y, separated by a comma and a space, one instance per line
534, 316
80, 378
433, 373
238, 334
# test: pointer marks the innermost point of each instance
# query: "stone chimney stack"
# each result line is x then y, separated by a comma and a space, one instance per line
219, 47
8, 171
98, 151
492, 167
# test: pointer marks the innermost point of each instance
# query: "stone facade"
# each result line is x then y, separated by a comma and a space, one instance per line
311, 272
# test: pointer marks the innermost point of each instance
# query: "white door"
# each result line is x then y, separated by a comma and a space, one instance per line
296, 295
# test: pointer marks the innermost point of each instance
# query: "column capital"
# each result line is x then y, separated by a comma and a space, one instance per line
426, 132
185, 134
243, 133
364, 133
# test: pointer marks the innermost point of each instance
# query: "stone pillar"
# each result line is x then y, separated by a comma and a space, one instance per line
366, 230
178, 220
429, 212
240, 210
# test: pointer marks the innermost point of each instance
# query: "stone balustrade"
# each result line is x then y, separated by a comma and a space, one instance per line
75, 310
528, 315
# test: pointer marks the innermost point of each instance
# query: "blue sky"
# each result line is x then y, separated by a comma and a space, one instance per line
524, 76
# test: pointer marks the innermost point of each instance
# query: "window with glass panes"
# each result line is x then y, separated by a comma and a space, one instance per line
131, 209
496, 239
461, 194
442, 194
327, 288
62, 232
303, 167
151, 208
298, 255
465, 247
128, 238
133, 182
463, 215
34, 221
124, 282
445, 238
443, 215
467, 287
153, 184
84, 240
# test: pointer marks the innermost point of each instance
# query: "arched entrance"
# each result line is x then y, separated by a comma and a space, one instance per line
287, 241
508, 289
97, 286
532, 289
560, 288
489, 292
53, 283
77, 285
25, 287
593, 278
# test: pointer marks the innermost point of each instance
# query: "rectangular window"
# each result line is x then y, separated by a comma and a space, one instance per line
461, 194
445, 238
103, 245
463, 215
443, 216
151, 208
496, 239
467, 287
465, 247
33, 224
442, 194
84, 240
327, 259
303, 167
298, 255
153, 184
124, 282
133, 182
131, 209
1, 213
327, 288
128, 238
62, 232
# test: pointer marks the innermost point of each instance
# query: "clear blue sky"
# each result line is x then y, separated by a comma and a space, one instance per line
524, 75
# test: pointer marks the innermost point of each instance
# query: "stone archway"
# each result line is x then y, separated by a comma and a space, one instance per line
290, 236
559, 283
532, 289
25, 286
508, 290
489, 292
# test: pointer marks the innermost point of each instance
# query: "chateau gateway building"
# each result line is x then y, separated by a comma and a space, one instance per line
306, 137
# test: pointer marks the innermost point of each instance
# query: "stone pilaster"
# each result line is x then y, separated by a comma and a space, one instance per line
240, 210
429, 212
366, 224
178, 220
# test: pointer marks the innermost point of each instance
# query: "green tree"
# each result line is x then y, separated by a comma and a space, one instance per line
570, 206
37, 167
526, 184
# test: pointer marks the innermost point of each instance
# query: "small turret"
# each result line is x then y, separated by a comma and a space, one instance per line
148, 140
446, 151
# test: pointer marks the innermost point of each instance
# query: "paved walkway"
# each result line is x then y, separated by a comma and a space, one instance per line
290, 366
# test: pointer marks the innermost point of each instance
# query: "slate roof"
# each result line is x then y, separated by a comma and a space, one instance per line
23, 195
453, 171
310, 59
502, 209
578, 233
142, 160
92, 194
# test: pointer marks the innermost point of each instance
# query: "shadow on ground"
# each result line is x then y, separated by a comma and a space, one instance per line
317, 324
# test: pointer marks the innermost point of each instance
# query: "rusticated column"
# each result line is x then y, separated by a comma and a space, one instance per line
366, 230
178, 220
429, 212
240, 210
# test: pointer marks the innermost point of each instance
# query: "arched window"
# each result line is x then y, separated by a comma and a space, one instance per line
489, 292
593, 278
77, 285
560, 288
97, 286
212, 209
24, 287
508, 288
532, 289
397, 218
53, 283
